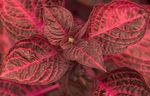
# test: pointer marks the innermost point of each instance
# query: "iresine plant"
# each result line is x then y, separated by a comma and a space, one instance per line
45, 47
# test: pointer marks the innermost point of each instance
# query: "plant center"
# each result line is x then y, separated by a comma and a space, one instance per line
71, 40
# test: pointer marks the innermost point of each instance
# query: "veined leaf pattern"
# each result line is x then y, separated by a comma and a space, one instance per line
21, 18
122, 82
55, 2
86, 52
117, 25
58, 21
136, 57
8, 88
33, 61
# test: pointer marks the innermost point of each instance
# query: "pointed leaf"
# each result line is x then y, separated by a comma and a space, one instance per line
122, 82
20, 19
33, 61
87, 53
58, 21
118, 25
117, 15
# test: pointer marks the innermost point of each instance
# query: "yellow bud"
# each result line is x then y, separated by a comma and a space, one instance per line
71, 40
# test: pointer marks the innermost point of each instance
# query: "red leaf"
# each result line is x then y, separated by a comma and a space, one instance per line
122, 82
87, 53
55, 2
78, 31
117, 15
136, 57
8, 88
58, 21
147, 7
33, 61
19, 17
117, 24
13, 89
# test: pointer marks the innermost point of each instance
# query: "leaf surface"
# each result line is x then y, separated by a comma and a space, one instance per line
117, 25
33, 61
58, 21
122, 82
22, 18
8, 88
87, 53
136, 57
55, 2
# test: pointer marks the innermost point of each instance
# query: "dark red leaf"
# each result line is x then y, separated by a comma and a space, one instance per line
78, 31
87, 53
8, 88
136, 57
21, 18
122, 82
33, 61
55, 2
117, 24
58, 22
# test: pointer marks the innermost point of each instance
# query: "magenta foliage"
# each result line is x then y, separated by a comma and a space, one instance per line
8, 88
33, 61
47, 40
20, 19
55, 2
88, 53
122, 82
117, 25
58, 21
136, 57
24, 18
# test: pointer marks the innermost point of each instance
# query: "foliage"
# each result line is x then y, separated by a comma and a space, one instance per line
44, 47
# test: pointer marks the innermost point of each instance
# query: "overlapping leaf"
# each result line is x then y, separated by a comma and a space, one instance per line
58, 22
5, 42
122, 82
33, 61
12, 89
87, 53
8, 88
136, 57
21, 18
117, 25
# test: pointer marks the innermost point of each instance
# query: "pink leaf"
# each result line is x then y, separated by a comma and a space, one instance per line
78, 31
55, 2
122, 82
117, 15
8, 88
117, 24
33, 61
136, 57
87, 53
20, 18
58, 22
147, 7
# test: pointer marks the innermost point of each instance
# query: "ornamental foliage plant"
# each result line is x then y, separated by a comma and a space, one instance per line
46, 50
